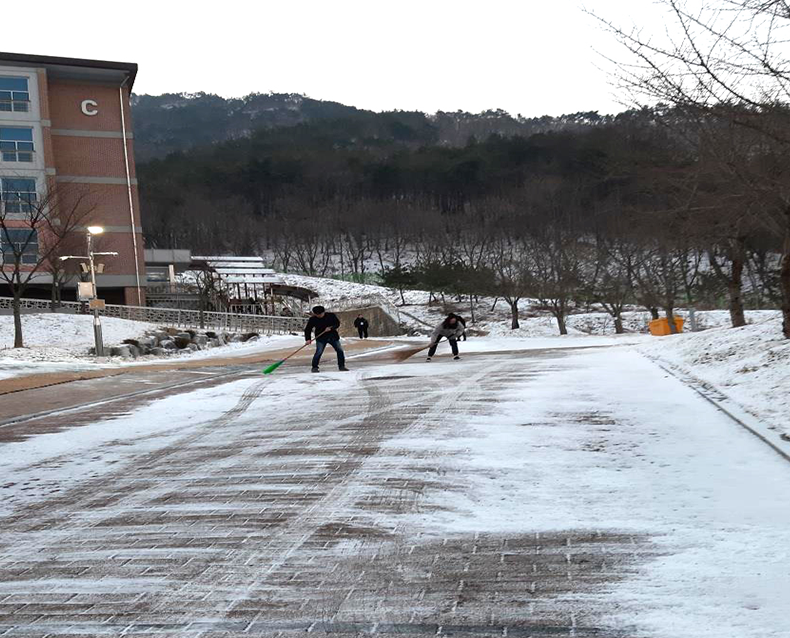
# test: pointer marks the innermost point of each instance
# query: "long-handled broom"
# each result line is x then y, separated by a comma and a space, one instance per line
277, 364
405, 354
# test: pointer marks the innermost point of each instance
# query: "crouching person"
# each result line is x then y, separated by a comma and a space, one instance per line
325, 325
451, 329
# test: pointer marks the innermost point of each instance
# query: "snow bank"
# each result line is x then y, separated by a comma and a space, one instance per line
335, 288
67, 332
56, 342
751, 365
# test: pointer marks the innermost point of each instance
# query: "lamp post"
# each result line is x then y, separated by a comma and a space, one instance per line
97, 335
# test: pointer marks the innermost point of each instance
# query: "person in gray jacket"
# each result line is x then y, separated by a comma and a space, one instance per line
451, 329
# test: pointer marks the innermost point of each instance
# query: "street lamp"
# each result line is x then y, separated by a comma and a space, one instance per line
97, 336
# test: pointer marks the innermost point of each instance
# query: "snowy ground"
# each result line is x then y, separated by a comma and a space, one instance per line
494, 318
569, 492
751, 365
57, 342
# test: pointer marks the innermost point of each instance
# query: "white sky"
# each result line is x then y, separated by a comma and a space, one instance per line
532, 57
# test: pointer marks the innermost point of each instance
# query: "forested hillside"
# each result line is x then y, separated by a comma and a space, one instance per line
176, 122
639, 208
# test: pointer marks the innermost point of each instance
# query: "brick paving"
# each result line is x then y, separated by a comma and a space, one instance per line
254, 524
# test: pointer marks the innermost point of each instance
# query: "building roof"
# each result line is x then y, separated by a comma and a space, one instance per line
75, 68
231, 269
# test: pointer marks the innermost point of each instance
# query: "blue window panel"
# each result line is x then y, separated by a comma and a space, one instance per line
16, 134
24, 146
13, 84
5, 95
19, 235
18, 184
18, 194
22, 241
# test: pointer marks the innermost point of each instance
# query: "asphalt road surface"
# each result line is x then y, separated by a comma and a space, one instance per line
403, 499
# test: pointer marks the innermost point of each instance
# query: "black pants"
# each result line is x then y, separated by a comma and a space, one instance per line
453, 346
363, 332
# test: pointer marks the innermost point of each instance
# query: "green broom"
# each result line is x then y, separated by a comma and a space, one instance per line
277, 364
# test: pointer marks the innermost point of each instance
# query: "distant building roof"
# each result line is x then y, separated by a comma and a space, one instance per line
75, 68
237, 270
166, 256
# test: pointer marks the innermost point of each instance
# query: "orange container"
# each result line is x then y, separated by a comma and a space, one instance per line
660, 327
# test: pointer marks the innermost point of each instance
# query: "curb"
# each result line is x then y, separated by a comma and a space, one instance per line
725, 404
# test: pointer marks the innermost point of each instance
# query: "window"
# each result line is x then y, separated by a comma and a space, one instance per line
14, 95
22, 241
16, 144
17, 195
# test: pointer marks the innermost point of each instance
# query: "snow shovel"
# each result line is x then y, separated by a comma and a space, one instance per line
277, 364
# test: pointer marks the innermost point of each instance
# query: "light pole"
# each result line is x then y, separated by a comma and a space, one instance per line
97, 336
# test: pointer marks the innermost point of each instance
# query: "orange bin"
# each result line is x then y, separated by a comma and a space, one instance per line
660, 327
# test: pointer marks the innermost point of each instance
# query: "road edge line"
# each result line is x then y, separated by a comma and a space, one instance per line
701, 388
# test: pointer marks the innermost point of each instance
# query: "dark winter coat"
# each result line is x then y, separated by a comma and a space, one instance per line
361, 322
319, 324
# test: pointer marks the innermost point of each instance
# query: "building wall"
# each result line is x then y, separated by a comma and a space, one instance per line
381, 324
82, 157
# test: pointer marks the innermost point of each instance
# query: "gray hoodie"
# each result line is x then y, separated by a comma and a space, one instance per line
452, 332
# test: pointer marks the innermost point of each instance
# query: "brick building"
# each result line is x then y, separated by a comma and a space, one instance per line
65, 127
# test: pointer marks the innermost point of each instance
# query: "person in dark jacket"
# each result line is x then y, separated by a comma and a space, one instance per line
361, 324
463, 323
325, 325
451, 329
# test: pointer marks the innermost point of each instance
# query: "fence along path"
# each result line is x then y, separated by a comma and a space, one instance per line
232, 322
176, 317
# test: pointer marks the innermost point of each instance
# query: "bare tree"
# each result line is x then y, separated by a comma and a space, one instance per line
63, 271
726, 59
32, 228
611, 282
555, 265
509, 263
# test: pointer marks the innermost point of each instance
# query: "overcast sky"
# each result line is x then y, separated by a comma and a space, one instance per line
532, 57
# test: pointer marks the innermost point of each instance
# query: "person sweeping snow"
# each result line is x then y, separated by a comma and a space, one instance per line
451, 328
325, 325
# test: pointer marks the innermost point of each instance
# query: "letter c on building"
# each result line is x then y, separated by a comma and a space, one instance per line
89, 107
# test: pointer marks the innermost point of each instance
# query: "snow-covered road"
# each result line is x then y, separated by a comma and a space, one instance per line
576, 492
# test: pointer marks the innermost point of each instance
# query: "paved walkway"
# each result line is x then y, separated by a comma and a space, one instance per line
92, 385
463, 499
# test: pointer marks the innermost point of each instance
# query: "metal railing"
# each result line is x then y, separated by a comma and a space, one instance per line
176, 317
